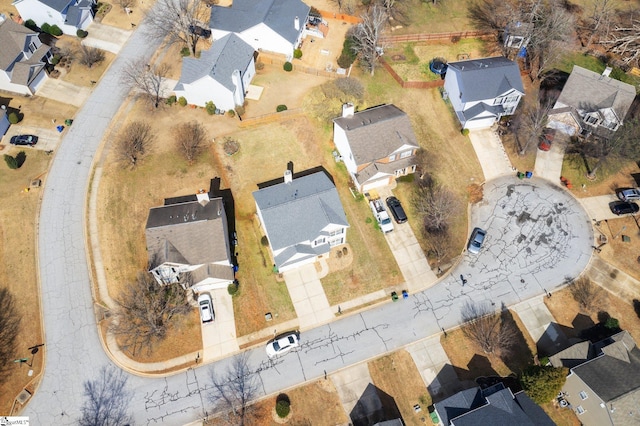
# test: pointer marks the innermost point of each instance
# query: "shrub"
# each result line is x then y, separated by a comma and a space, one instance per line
287, 66
281, 108
259, 66
210, 107
297, 53
231, 113
348, 56
55, 31
46, 28
185, 51
171, 100
30, 23
232, 288
56, 59
264, 240
13, 118
542, 384
182, 101
11, 161
81, 33
612, 323
240, 110
283, 407
465, 132
231, 146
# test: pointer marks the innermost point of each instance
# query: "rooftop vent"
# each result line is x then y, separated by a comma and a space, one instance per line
203, 197
288, 178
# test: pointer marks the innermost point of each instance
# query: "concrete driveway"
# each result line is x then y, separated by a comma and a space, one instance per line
549, 163
598, 207
48, 139
491, 154
105, 37
307, 295
219, 337
61, 91
434, 366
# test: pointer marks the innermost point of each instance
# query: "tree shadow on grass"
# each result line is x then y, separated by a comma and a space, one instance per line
515, 354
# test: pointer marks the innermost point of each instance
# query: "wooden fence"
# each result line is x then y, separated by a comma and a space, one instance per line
273, 60
410, 84
340, 16
435, 36
271, 118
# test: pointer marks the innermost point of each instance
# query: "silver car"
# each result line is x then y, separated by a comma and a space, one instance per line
476, 240
628, 194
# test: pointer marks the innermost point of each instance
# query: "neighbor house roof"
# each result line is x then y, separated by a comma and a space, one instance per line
296, 212
573, 355
279, 15
376, 132
58, 5
486, 78
13, 38
187, 233
219, 62
586, 90
386, 168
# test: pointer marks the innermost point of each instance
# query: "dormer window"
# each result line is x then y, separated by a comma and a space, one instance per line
32, 47
392, 157
592, 119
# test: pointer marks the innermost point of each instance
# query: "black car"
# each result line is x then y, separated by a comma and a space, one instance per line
24, 140
396, 209
624, 207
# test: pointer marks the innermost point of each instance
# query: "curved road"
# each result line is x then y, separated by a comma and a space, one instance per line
537, 234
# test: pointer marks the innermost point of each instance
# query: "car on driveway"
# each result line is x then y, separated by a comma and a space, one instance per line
282, 344
623, 207
29, 140
396, 209
476, 240
206, 308
628, 194
548, 135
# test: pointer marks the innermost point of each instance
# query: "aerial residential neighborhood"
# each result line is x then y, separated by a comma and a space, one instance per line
319, 212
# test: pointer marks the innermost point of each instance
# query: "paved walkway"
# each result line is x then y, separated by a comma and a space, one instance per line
491, 154
306, 292
106, 37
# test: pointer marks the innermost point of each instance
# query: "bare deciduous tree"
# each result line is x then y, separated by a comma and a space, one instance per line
587, 294
145, 311
9, 329
366, 36
176, 20
133, 141
602, 13
326, 102
488, 328
436, 204
107, 399
147, 79
438, 245
190, 139
90, 56
624, 40
234, 389
126, 4
530, 121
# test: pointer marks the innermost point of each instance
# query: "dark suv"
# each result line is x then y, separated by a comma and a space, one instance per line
396, 209
623, 207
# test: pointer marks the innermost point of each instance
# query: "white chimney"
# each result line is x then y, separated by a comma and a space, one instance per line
296, 23
348, 109
288, 178
203, 197
607, 71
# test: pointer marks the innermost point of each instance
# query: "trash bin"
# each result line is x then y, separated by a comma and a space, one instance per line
528, 175
68, 122
520, 175
394, 296
405, 295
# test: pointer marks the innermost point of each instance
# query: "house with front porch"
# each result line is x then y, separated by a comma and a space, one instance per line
482, 91
377, 145
302, 218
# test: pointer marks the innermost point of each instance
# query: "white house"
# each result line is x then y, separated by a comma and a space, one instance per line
189, 235
270, 25
302, 219
222, 74
22, 58
4, 122
377, 145
68, 15
591, 102
482, 91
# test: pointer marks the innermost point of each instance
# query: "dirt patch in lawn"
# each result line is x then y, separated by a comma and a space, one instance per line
73, 71
117, 17
623, 244
397, 376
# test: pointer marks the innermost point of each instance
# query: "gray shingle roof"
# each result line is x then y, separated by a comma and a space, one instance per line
58, 5
574, 355
458, 404
296, 212
376, 132
225, 56
187, 233
278, 15
480, 108
13, 38
589, 91
389, 168
486, 78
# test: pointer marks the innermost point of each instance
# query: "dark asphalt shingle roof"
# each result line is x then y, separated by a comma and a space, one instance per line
480, 108
58, 5
458, 404
278, 15
297, 212
574, 355
225, 56
376, 132
486, 78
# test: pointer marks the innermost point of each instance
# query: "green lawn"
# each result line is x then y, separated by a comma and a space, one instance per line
425, 17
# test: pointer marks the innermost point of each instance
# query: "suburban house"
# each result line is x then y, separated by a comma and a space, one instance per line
188, 242
22, 58
604, 387
68, 15
4, 121
221, 75
591, 103
495, 405
482, 91
302, 218
377, 144
267, 25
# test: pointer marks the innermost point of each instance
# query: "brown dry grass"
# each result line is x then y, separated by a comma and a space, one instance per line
397, 375
620, 254
117, 17
79, 74
38, 112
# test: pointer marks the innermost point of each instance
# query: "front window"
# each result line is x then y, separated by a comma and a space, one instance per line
32, 47
392, 157
583, 395
580, 410
406, 154
591, 119
336, 232
319, 241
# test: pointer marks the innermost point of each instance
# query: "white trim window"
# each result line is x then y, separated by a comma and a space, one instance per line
336, 242
580, 410
319, 241
406, 154
336, 232
392, 157
583, 395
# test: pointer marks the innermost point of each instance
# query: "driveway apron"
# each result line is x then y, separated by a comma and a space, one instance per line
491, 154
307, 295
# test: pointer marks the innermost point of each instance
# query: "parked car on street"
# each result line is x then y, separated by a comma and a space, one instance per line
283, 344
628, 194
396, 209
206, 308
476, 240
29, 140
623, 207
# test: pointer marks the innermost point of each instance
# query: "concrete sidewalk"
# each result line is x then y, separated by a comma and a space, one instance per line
491, 154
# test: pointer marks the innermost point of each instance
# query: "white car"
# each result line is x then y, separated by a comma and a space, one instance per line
206, 308
282, 344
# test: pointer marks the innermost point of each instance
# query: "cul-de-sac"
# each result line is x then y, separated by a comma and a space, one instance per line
319, 212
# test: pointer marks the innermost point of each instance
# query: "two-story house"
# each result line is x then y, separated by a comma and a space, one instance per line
22, 58
482, 91
302, 218
221, 74
68, 15
591, 103
377, 145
